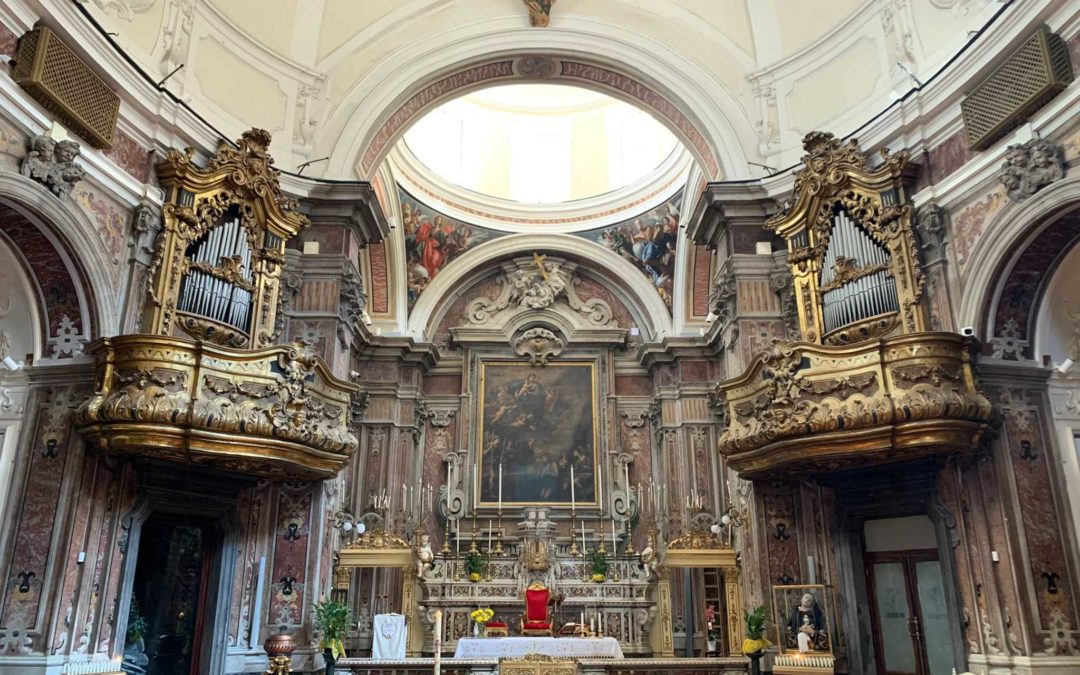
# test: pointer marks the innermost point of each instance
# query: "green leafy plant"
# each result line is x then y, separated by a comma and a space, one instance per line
755, 623
474, 563
137, 626
599, 563
332, 619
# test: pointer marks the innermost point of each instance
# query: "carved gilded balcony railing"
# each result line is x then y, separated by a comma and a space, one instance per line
803, 408
275, 412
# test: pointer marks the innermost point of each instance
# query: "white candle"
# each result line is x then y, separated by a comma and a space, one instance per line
592, 624
500, 487
489, 536
404, 497
626, 484
437, 645
573, 501
600, 490
457, 537
582, 619
476, 485
614, 547
600, 622
583, 537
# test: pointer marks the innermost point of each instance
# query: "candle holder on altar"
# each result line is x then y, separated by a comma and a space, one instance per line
445, 552
499, 547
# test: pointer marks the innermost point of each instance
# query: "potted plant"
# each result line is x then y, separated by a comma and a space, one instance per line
332, 620
134, 640
755, 643
599, 567
711, 633
474, 565
481, 616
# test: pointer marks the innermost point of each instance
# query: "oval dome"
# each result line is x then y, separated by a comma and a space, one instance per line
540, 143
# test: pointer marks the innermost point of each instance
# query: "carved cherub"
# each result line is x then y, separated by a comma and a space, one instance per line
425, 557
39, 159
648, 557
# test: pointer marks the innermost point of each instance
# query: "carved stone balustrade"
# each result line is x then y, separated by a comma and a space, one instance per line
275, 412
802, 408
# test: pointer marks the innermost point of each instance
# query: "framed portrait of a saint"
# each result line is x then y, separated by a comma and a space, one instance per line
540, 424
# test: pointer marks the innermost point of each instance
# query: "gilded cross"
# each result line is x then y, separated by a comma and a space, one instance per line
539, 260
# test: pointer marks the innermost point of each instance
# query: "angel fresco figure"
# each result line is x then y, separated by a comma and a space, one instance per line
539, 12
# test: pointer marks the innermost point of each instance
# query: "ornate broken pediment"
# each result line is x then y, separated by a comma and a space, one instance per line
539, 283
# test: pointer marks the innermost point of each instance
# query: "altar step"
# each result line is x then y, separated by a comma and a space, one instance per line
632, 666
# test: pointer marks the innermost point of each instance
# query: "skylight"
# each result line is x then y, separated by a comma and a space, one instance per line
540, 143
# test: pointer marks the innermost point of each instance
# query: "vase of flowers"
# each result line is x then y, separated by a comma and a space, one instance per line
332, 620
599, 567
753, 647
481, 616
474, 565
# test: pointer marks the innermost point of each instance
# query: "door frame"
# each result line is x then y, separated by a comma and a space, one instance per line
156, 497
907, 558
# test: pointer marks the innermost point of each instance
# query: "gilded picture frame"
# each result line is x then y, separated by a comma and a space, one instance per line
538, 423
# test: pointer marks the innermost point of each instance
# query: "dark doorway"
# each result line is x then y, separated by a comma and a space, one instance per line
170, 592
909, 614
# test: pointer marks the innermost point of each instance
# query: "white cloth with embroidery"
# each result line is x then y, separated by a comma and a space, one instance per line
388, 641
517, 647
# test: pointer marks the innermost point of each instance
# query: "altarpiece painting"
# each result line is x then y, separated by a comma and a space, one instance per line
538, 423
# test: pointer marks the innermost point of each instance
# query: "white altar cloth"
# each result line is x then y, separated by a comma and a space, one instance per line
516, 647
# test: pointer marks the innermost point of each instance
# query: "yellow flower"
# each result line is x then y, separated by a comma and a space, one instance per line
750, 646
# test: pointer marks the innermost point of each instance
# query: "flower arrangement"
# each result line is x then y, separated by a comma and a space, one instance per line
599, 566
755, 641
474, 565
332, 620
481, 616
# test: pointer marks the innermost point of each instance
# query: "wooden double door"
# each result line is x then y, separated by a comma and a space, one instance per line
909, 612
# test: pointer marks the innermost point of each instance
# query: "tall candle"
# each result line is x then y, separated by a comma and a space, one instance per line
583, 537
437, 645
489, 536
457, 537
404, 497
626, 484
614, 547
573, 500
476, 486
500, 487
600, 491
582, 619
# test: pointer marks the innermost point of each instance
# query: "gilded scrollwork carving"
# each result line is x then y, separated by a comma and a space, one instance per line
802, 405
275, 412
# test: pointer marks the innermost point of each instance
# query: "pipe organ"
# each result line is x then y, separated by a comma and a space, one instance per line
220, 254
218, 284
851, 246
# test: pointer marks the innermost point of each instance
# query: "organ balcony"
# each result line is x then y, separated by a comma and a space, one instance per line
803, 408
203, 382
275, 412
868, 383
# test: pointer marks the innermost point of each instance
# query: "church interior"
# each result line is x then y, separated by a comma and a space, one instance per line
540, 337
